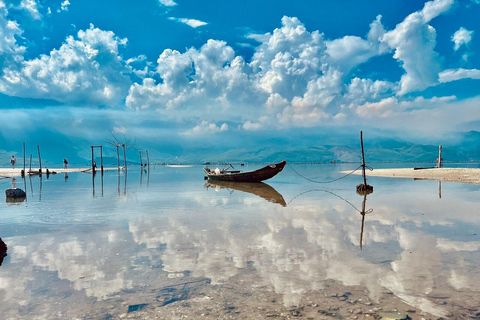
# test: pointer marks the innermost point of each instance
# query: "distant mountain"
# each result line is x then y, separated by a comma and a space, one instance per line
314, 147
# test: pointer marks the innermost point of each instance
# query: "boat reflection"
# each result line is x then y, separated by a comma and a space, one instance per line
260, 189
3, 251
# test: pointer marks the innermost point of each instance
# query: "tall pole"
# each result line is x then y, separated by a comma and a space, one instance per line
101, 159
30, 163
363, 219
124, 157
439, 160
148, 160
118, 159
93, 168
363, 160
141, 163
24, 158
39, 159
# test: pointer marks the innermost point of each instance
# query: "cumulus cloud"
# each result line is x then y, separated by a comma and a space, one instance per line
9, 48
64, 6
206, 127
413, 41
32, 7
295, 77
351, 51
167, 3
461, 37
194, 23
381, 109
212, 77
86, 69
457, 74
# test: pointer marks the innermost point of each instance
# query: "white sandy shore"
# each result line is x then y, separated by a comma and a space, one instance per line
464, 175
17, 172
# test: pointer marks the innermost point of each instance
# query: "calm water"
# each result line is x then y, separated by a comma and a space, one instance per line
155, 241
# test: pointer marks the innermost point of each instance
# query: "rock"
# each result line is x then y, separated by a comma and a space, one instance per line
15, 193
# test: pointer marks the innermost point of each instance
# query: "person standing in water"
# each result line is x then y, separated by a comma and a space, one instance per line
65, 163
13, 161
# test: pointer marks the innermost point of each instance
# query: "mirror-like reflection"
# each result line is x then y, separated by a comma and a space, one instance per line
3, 251
260, 189
175, 249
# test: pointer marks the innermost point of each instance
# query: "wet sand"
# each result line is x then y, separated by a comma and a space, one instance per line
463, 175
17, 172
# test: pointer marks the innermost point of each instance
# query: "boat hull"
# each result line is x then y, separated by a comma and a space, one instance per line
262, 174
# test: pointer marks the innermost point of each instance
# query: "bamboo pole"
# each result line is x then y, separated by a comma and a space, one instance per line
148, 160
29, 171
101, 158
124, 157
93, 167
24, 158
439, 160
141, 163
39, 159
363, 160
118, 159
363, 220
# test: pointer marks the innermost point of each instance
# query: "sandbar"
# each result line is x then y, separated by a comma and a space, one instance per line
463, 175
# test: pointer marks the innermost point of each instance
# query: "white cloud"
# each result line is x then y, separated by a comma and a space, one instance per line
167, 3
31, 7
381, 109
414, 41
461, 37
206, 127
194, 23
295, 76
64, 5
351, 51
457, 74
83, 70
9, 48
121, 130
252, 126
209, 78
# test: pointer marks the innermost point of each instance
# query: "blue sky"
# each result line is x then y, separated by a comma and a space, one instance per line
212, 72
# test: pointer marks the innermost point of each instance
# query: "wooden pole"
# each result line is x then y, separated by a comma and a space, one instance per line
141, 163
101, 158
439, 160
30, 163
24, 158
124, 157
93, 168
39, 159
118, 159
363, 160
363, 220
148, 160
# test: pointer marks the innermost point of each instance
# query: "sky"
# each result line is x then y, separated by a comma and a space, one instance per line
179, 74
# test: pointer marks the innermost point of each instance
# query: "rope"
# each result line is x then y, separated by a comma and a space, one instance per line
330, 181
334, 194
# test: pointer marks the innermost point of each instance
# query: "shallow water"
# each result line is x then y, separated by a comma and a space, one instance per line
163, 243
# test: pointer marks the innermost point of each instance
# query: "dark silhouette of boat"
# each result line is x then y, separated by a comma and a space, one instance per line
3, 251
252, 176
260, 189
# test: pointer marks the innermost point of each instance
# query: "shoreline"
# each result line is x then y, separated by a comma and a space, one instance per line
17, 172
462, 175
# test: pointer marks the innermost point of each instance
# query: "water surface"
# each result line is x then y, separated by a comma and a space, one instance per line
166, 243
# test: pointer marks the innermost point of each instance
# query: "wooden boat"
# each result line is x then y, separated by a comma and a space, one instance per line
260, 189
253, 176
